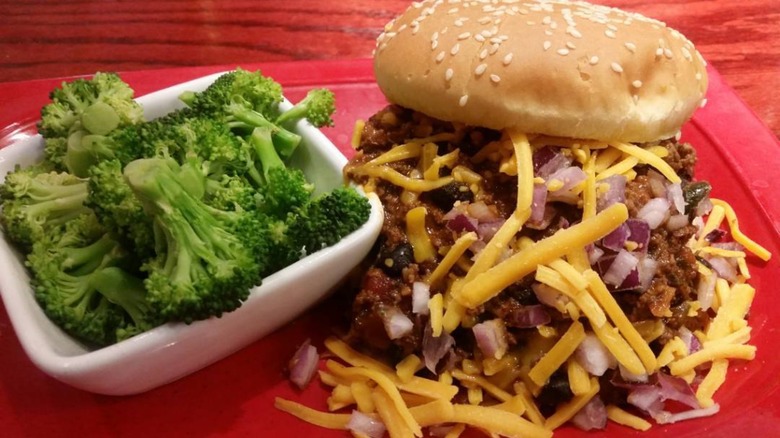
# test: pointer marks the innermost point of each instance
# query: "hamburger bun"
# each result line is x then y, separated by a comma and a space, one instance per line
568, 69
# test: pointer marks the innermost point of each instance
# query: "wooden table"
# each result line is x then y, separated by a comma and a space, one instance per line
51, 39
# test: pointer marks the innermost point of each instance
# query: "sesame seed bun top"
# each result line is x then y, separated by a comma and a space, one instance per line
569, 69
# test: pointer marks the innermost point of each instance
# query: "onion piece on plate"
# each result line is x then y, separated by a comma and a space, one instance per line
363, 424
303, 364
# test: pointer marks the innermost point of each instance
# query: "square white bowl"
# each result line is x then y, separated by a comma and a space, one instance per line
174, 350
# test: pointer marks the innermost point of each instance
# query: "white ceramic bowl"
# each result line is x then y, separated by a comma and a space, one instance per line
172, 351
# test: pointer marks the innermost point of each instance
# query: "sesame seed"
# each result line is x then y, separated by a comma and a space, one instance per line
495, 78
668, 53
687, 54
480, 69
570, 45
479, 38
616, 67
440, 57
464, 35
631, 47
508, 59
637, 84
571, 30
698, 76
455, 49
594, 60
453, 11
546, 45
612, 27
486, 33
609, 33
434, 44
483, 54
448, 74
563, 52
435, 36
463, 100
703, 102
530, 23
484, 20
659, 52
548, 32
493, 49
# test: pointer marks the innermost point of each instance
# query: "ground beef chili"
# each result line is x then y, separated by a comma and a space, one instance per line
393, 272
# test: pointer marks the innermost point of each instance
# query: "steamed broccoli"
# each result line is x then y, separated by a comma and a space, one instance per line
245, 100
80, 114
34, 202
118, 209
317, 107
203, 266
327, 219
80, 286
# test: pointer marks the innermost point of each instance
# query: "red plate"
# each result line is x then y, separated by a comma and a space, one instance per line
234, 397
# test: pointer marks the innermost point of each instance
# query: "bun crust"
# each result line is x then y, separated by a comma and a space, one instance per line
568, 69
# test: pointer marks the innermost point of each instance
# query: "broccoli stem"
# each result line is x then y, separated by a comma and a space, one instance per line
262, 145
284, 141
88, 258
123, 289
60, 210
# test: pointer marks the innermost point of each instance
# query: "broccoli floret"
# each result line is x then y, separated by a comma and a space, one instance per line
245, 100
34, 202
285, 188
118, 209
317, 107
327, 219
203, 266
80, 114
79, 285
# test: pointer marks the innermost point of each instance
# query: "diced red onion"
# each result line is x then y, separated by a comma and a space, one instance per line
569, 176
491, 338
439, 431
486, 230
592, 416
482, 212
689, 339
554, 163
621, 267
303, 364
630, 282
548, 295
361, 423
541, 156
628, 376
715, 235
639, 233
538, 203
723, 268
397, 324
669, 418
461, 223
704, 207
528, 316
594, 356
615, 194
457, 210
435, 347
705, 290
547, 217
646, 398
654, 212
594, 254
647, 269
677, 389
657, 183
674, 195
421, 294
616, 240
676, 222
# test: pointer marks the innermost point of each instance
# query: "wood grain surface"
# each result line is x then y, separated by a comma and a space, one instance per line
40, 39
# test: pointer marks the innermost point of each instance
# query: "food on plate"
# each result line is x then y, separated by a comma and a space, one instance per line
548, 256
126, 224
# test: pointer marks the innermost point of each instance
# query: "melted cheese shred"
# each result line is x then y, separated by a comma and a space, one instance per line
648, 157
